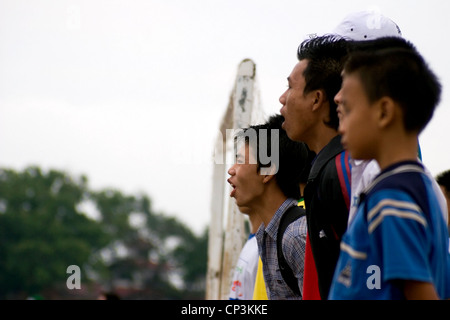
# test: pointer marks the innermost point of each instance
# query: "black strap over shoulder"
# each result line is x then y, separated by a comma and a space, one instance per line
292, 214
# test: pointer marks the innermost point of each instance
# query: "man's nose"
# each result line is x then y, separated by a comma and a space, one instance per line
283, 98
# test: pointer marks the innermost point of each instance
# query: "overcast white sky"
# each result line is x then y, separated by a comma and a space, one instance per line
131, 93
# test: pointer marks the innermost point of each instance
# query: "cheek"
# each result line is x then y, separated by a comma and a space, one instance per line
352, 130
354, 122
248, 178
295, 116
350, 125
348, 128
359, 138
290, 99
248, 191
342, 125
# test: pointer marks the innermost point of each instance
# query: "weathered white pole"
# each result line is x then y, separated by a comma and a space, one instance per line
215, 239
242, 98
224, 253
216, 231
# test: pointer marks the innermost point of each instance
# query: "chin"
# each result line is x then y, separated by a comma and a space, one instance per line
242, 206
244, 210
292, 135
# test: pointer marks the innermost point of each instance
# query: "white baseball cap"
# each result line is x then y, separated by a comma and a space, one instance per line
367, 25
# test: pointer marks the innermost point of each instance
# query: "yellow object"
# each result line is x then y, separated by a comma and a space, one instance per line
260, 293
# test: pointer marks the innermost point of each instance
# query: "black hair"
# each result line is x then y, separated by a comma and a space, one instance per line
294, 158
326, 56
443, 179
398, 72
380, 43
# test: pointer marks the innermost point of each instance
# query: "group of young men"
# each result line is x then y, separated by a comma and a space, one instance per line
373, 223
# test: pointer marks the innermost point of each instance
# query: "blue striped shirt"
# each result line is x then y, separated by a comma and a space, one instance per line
294, 242
398, 234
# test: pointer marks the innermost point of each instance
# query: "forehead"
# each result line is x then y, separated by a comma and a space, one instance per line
297, 73
351, 83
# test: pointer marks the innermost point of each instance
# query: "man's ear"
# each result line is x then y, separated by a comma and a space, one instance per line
386, 109
318, 98
268, 173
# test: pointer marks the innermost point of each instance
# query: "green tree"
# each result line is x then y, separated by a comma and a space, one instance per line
155, 248
44, 229
41, 231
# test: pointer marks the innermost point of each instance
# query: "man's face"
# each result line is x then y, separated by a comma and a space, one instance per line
357, 123
246, 181
297, 107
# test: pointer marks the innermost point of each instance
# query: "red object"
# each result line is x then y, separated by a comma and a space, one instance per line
310, 280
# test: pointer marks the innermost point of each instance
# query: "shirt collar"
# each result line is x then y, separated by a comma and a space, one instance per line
272, 227
332, 149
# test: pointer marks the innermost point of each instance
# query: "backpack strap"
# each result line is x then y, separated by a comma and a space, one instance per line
291, 215
343, 168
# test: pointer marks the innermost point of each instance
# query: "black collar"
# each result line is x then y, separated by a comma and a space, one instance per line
331, 150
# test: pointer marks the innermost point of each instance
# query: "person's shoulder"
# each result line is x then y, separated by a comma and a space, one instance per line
336, 173
296, 229
250, 244
401, 179
325, 157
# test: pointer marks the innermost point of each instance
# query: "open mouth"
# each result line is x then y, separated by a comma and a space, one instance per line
234, 189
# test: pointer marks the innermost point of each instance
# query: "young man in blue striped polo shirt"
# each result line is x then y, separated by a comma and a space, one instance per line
397, 245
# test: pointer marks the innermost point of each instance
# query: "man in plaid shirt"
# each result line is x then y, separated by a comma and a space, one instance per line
270, 189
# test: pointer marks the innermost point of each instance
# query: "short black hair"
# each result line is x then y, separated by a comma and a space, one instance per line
326, 56
380, 43
443, 179
402, 74
294, 158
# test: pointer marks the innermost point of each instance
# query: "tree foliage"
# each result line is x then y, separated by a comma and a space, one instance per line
126, 247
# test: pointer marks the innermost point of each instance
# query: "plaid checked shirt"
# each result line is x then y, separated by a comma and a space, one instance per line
294, 243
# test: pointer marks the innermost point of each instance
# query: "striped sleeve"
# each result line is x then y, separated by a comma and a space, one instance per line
343, 168
398, 207
398, 229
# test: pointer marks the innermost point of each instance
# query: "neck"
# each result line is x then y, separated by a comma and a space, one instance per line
321, 138
269, 204
405, 149
255, 222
